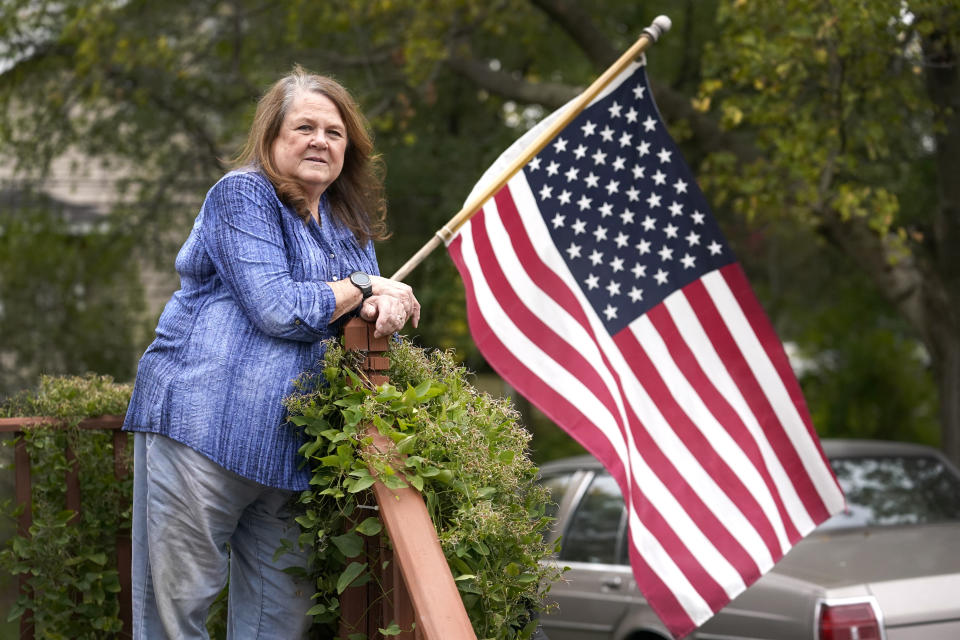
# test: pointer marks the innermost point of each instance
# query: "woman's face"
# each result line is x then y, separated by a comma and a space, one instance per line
311, 144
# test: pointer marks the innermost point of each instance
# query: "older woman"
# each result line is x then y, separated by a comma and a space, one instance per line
280, 250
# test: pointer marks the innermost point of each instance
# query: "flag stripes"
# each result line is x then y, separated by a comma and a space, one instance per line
691, 405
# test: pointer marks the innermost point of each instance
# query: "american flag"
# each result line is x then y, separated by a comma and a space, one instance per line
601, 288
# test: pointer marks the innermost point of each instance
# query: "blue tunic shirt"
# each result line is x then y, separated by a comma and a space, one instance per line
251, 311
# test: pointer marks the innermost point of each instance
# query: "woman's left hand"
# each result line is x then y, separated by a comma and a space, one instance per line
390, 306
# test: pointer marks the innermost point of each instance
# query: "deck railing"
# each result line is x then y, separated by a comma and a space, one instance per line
415, 586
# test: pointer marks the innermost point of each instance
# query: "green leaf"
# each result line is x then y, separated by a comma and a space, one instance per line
369, 527
317, 609
349, 575
349, 544
465, 576
361, 483
393, 630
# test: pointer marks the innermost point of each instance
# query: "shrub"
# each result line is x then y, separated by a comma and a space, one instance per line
465, 452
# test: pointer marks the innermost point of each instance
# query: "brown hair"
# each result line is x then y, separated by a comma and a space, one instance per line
356, 197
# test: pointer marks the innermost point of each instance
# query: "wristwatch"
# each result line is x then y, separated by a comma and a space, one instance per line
362, 281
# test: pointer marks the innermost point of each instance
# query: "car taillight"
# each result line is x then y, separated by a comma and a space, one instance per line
850, 621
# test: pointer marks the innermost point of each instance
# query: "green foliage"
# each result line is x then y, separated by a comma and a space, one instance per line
464, 451
69, 558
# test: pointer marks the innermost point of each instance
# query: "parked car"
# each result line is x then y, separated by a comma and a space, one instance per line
888, 568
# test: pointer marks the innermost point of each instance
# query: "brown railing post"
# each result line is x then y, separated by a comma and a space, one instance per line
417, 583
22, 493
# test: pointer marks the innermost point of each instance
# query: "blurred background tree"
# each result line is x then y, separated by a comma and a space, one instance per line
822, 132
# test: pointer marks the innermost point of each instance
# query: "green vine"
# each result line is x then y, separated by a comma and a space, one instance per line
71, 565
464, 451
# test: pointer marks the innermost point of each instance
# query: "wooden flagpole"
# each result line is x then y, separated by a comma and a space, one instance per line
659, 26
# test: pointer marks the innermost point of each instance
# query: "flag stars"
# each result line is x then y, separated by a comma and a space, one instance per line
560, 145
661, 277
592, 180
649, 224
613, 187
688, 261
632, 115
619, 163
653, 201
636, 295
534, 164
592, 282
643, 247
616, 264
697, 217
676, 209
584, 203
579, 152
599, 157
615, 109
625, 139
664, 156
596, 257
546, 192
639, 171
613, 288
573, 250
572, 174
610, 312
606, 210
659, 177
643, 149
553, 168
627, 217
600, 233
649, 124
588, 129
633, 194
639, 270
564, 197
578, 226
607, 134
693, 238
622, 240
680, 186
665, 253
638, 92
558, 221
671, 230
715, 248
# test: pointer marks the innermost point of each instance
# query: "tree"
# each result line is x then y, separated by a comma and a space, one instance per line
165, 90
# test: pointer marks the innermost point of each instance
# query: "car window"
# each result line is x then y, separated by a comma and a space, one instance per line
895, 490
595, 529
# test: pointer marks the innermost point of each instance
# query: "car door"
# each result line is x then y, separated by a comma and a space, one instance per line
595, 593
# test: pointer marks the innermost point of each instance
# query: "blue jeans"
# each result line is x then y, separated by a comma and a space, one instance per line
195, 523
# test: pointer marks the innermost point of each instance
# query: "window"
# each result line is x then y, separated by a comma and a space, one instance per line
595, 531
895, 490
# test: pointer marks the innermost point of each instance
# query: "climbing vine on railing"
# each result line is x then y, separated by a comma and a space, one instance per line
464, 451
72, 579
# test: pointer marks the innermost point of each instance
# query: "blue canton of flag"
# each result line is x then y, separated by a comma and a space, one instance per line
624, 208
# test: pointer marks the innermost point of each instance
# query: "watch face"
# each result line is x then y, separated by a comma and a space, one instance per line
360, 279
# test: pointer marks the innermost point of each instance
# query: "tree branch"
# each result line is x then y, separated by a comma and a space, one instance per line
577, 24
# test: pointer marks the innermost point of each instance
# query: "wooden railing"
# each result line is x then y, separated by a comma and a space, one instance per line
417, 585
413, 585
23, 493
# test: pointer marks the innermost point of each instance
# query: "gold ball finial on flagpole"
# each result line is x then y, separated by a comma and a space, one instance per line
659, 26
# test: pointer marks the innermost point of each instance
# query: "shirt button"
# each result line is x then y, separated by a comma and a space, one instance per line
296, 322
332, 255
